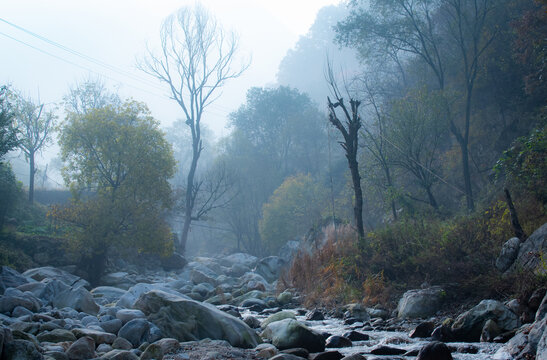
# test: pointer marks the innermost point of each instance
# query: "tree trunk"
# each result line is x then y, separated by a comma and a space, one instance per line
467, 178
432, 200
515, 223
358, 208
31, 178
189, 207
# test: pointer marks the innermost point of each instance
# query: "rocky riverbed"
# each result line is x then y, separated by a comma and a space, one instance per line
228, 308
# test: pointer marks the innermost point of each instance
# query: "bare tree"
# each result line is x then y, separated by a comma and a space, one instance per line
195, 61
34, 125
419, 27
350, 132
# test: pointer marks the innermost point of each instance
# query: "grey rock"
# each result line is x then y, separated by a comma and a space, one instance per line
21, 311
56, 336
52, 273
541, 353
256, 304
130, 297
126, 315
435, 351
120, 355
284, 298
168, 345
21, 350
246, 260
82, 349
420, 303
290, 333
111, 326
269, 267
278, 316
13, 298
55, 355
542, 309
173, 262
10, 278
490, 331
99, 337
530, 250
107, 294
188, 320
357, 311
119, 279
137, 332
152, 352
286, 357
251, 321
335, 341
468, 326
122, 344
508, 254
197, 277
78, 299
103, 348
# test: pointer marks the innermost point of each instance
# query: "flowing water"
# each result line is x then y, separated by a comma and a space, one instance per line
394, 339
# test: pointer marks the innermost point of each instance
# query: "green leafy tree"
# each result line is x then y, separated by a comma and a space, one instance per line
119, 154
277, 133
8, 134
291, 211
524, 164
34, 127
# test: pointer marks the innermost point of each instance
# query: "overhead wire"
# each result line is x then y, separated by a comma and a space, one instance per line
222, 111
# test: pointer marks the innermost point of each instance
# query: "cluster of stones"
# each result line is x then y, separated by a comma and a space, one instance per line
49, 313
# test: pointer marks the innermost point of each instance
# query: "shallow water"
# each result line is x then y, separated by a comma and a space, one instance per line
396, 339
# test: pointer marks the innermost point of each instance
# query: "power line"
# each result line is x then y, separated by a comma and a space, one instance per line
110, 67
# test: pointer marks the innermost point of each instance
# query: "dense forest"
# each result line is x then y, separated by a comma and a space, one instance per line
403, 143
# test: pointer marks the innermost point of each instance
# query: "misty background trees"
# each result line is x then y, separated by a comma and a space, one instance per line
433, 95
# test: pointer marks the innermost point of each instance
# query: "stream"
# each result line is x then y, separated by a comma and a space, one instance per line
393, 339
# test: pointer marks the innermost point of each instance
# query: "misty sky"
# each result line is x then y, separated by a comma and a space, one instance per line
116, 32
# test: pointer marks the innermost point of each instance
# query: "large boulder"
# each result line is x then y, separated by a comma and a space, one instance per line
21, 350
13, 298
189, 320
246, 260
107, 294
468, 326
139, 331
78, 299
530, 251
120, 279
10, 278
290, 333
130, 297
81, 349
50, 272
197, 277
278, 316
421, 303
270, 267
435, 351
508, 254
173, 262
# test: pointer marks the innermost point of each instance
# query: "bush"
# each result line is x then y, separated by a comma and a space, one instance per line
458, 253
10, 191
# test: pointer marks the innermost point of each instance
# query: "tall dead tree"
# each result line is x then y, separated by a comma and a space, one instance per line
350, 132
195, 61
